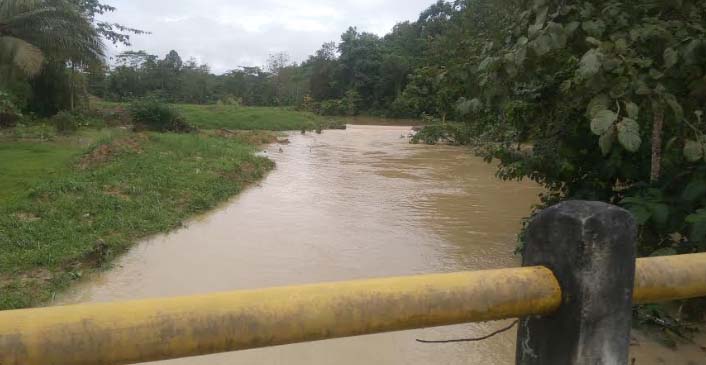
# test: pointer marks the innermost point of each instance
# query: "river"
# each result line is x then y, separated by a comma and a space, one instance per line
341, 205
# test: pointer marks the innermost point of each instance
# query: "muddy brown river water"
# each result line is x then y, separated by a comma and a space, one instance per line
343, 205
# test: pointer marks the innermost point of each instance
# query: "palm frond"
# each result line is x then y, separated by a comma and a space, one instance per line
22, 54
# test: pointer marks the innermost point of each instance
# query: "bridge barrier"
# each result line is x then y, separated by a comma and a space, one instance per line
573, 295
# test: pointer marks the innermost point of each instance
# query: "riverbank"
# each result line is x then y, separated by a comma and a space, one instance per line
71, 204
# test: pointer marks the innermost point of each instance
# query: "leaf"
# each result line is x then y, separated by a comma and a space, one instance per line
632, 109
641, 88
641, 214
656, 74
594, 28
534, 30
565, 86
660, 213
671, 57
598, 103
606, 141
693, 150
671, 100
602, 121
590, 64
664, 251
542, 45
593, 41
694, 190
24, 55
541, 15
629, 134
571, 27
698, 225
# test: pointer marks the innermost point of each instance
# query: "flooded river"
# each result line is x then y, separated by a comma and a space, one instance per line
341, 205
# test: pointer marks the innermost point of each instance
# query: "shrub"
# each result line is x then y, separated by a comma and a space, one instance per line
154, 115
230, 100
333, 107
65, 122
451, 133
9, 113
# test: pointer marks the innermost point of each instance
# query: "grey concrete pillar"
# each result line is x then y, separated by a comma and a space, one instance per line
590, 247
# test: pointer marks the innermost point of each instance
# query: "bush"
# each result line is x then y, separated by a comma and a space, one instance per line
9, 113
230, 100
333, 107
154, 115
66, 122
450, 133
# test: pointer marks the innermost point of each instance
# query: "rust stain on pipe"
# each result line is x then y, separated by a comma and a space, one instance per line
158, 329
140, 331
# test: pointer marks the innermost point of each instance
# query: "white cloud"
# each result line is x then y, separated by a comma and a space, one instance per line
227, 34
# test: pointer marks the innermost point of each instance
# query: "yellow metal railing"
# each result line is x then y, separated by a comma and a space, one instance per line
147, 330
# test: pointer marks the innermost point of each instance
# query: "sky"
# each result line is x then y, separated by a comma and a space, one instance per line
227, 34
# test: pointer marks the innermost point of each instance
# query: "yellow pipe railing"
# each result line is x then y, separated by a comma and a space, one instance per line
147, 330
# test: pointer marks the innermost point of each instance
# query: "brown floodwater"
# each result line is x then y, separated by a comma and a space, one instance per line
341, 205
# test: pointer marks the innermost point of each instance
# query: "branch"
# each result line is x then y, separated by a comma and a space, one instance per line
505, 329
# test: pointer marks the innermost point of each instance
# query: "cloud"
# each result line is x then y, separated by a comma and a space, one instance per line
227, 34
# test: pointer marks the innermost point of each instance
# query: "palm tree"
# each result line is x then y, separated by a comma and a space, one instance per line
34, 31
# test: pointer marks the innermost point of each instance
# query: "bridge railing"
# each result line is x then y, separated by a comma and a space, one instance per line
574, 296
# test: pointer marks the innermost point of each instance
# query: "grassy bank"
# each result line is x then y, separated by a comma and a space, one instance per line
122, 189
70, 204
243, 117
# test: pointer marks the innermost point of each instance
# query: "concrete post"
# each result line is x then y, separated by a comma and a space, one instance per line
590, 247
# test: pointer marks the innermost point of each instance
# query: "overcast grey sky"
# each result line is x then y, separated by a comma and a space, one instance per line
226, 34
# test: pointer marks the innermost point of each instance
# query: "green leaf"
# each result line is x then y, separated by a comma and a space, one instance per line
594, 28
641, 214
542, 45
606, 141
593, 41
629, 134
590, 64
571, 27
698, 225
664, 251
656, 74
541, 15
598, 103
660, 213
693, 150
632, 109
602, 121
534, 30
671, 57
641, 88
671, 100
694, 190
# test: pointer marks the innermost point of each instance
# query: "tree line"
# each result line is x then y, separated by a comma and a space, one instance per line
601, 100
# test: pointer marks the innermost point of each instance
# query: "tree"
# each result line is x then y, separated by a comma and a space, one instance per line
66, 33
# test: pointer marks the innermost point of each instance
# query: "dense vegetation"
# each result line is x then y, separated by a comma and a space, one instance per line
600, 100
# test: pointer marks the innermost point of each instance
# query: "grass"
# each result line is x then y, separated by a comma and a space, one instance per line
70, 204
24, 163
245, 118
249, 118
123, 188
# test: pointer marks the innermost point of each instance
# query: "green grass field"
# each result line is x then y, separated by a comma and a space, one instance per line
123, 188
244, 117
70, 204
249, 118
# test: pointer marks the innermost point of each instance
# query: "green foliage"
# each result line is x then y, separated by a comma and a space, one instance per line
151, 114
115, 200
333, 107
9, 113
449, 133
66, 122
